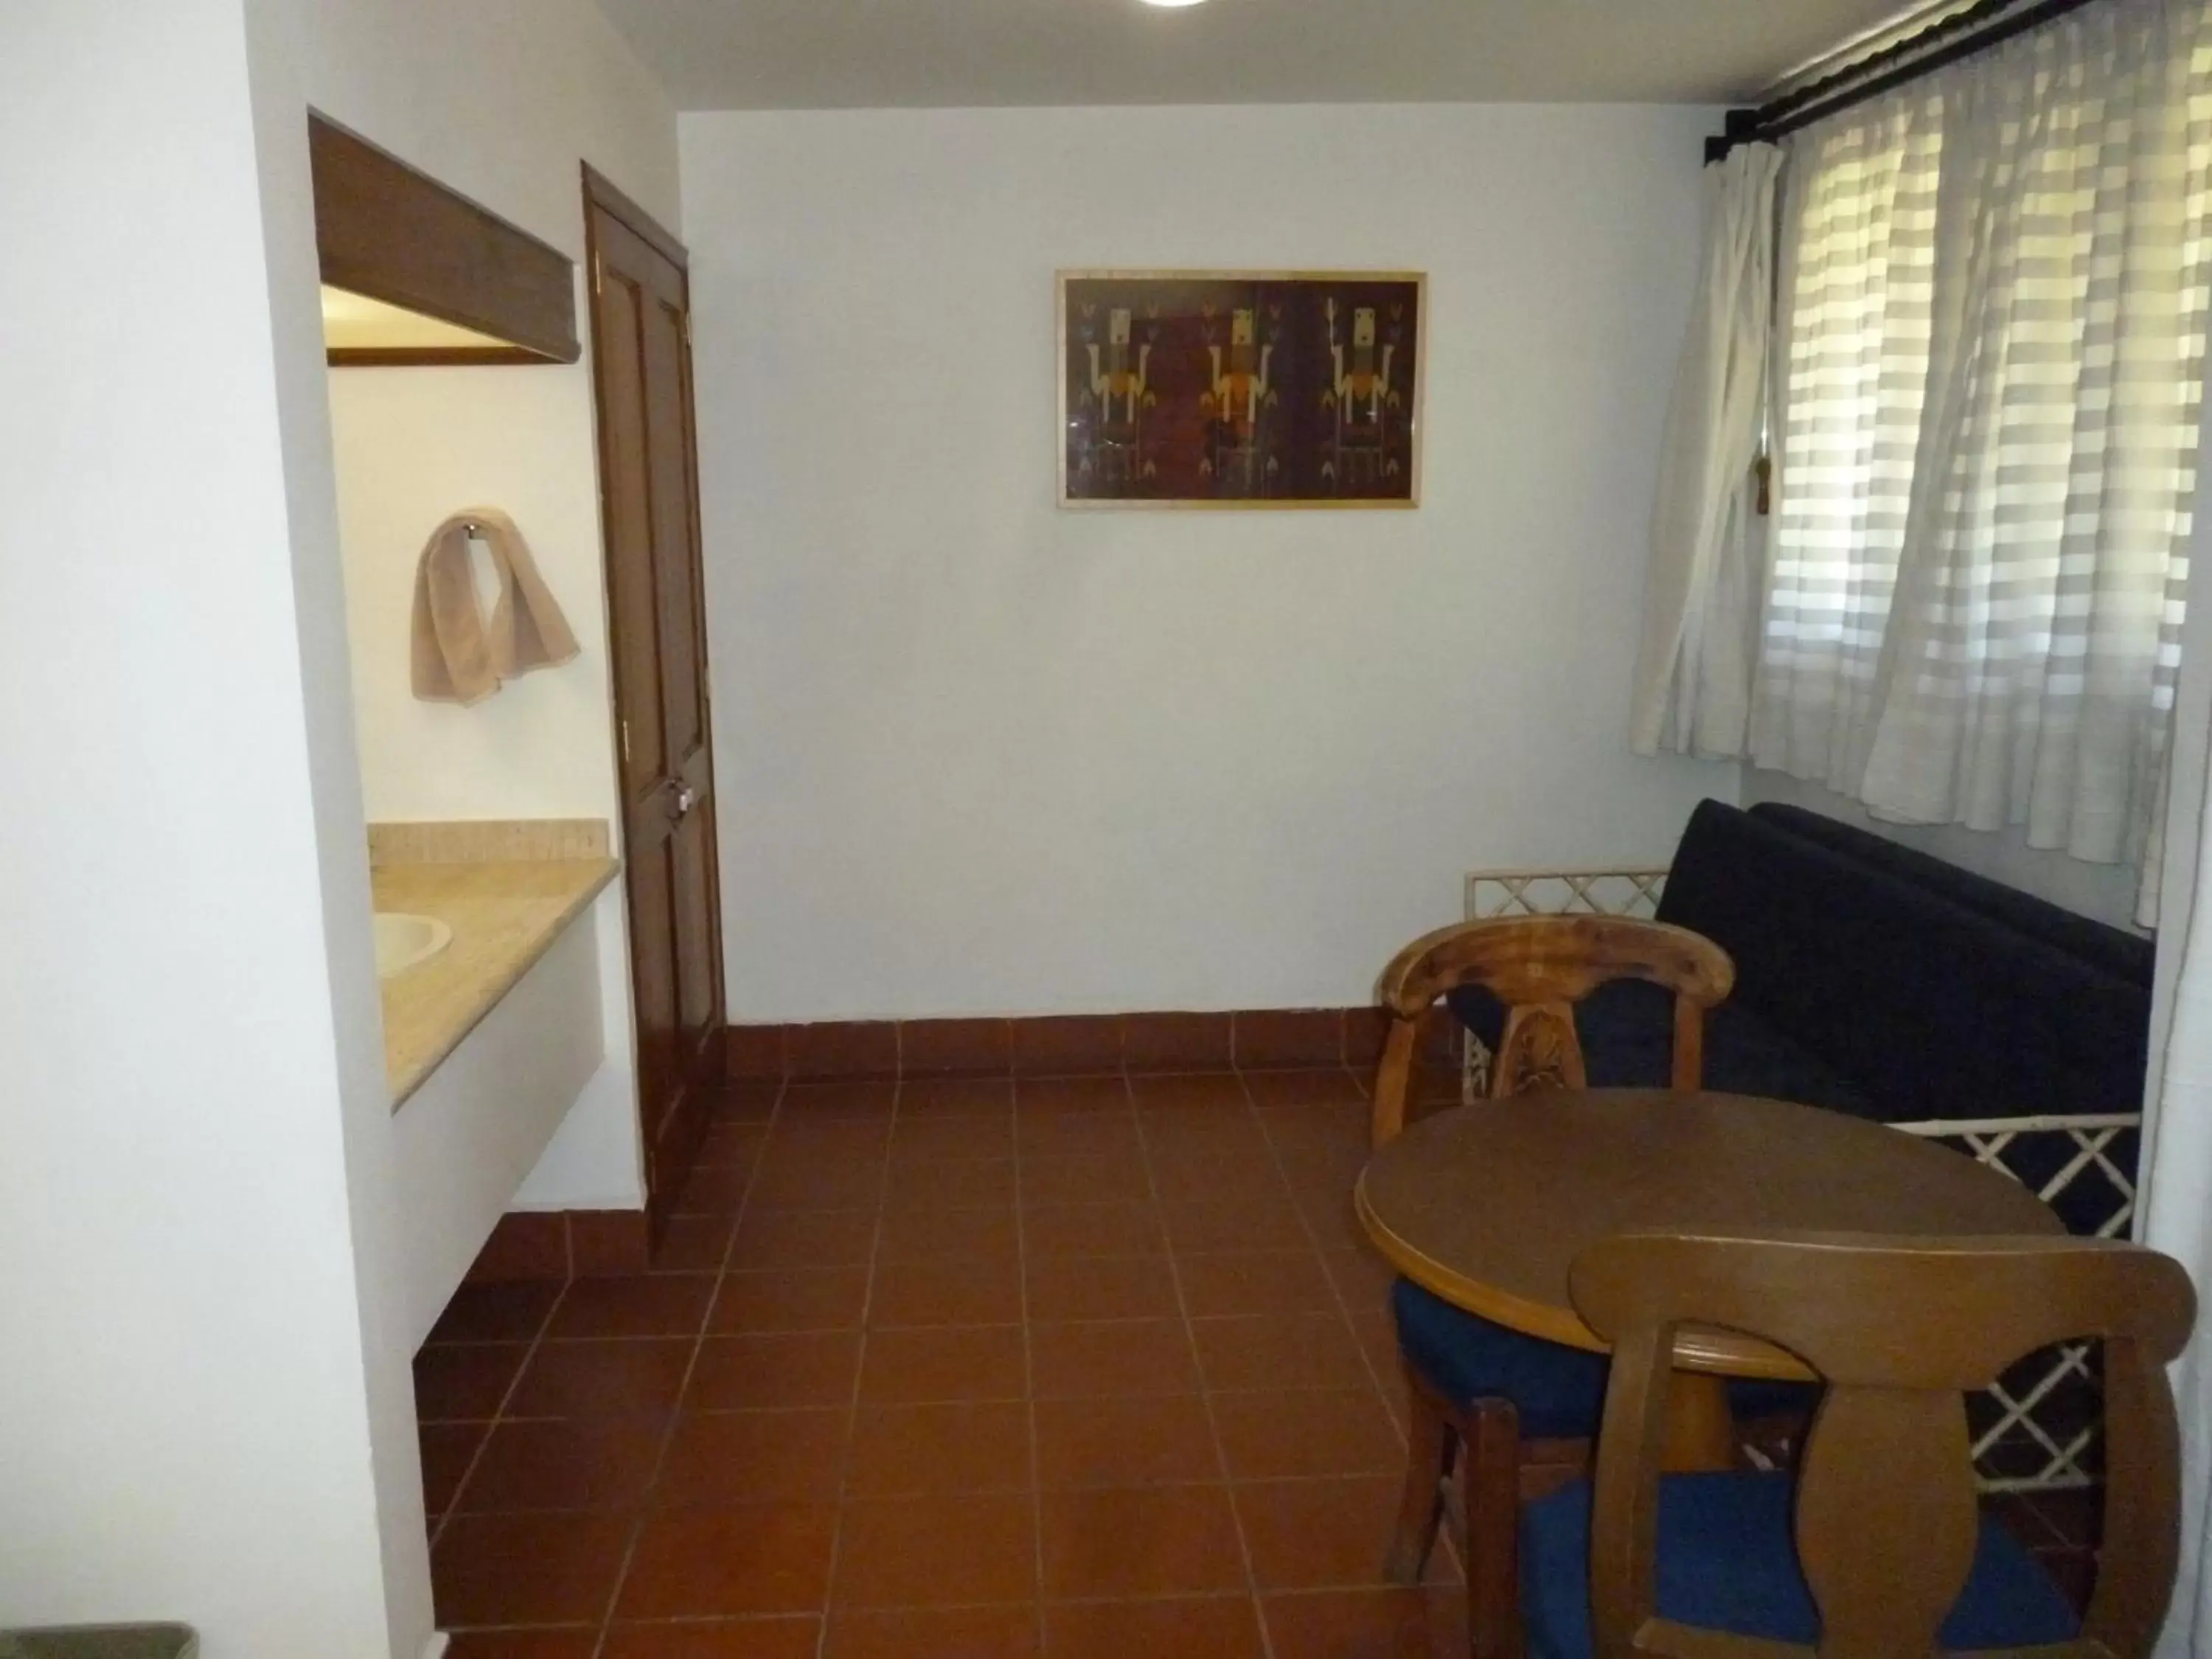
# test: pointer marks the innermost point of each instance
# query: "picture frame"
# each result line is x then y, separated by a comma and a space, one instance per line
1211, 390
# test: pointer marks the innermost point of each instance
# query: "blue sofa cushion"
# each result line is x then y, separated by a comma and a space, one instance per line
1933, 1008
1727, 1562
1627, 1030
1874, 980
1559, 1391
2130, 956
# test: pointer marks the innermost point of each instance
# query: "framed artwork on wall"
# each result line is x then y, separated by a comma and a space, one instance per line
1241, 389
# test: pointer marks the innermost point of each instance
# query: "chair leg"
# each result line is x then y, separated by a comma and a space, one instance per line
1489, 1477
1771, 1442
1431, 1441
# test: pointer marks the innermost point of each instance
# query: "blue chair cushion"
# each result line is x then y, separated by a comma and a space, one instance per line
1727, 1562
1560, 1391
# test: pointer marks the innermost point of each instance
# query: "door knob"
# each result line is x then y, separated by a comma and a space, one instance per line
686, 798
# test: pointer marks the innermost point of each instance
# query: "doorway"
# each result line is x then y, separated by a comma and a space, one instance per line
649, 502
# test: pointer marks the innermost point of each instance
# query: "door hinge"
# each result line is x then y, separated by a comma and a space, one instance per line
625, 742
598, 276
686, 316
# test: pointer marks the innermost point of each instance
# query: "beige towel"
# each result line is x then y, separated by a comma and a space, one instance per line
458, 657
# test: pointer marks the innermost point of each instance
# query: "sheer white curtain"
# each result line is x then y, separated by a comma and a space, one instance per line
1857, 242
1994, 340
1694, 670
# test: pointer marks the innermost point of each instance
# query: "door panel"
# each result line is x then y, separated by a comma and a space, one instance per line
660, 1072
648, 482
674, 539
624, 446
697, 976
685, 718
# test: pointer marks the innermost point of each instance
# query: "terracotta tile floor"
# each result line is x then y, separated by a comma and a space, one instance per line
1075, 1367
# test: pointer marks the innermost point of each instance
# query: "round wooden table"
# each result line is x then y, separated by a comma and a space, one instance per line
1488, 1206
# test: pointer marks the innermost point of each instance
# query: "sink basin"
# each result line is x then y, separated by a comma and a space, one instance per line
404, 941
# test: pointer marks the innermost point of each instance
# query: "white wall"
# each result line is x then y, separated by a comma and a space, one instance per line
977, 755
205, 1410
199, 1386
505, 102
415, 445
2104, 891
2187, 781
498, 99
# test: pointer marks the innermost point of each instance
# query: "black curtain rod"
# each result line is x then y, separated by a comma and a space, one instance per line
1979, 27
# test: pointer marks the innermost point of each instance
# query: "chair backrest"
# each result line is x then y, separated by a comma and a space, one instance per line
1540, 967
1886, 1512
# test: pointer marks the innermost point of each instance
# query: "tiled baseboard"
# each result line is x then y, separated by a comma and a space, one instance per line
1063, 1044
559, 1245
562, 1244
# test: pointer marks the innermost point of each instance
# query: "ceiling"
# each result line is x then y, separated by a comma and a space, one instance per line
842, 54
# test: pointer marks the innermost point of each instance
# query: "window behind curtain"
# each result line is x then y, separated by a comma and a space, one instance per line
1993, 300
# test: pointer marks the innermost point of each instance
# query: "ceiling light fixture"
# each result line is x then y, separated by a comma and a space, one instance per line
1165, 4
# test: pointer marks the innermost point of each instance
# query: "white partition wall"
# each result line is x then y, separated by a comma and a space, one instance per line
205, 1410
191, 1221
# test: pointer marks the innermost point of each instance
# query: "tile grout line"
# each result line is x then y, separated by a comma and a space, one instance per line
1091, 1598
1277, 1150
647, 1509
498, 1415
859, 1371
1028, 1378
1344, 1310
1198, 1364
1191, 1482
1335, 1290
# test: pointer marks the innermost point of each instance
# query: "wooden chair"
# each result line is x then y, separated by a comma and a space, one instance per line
1476, 1388
1896, 1560
1540, 967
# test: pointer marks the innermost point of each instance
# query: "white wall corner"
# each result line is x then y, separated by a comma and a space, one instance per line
982, 757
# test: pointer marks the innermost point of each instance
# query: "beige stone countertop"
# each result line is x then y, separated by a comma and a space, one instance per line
505, 915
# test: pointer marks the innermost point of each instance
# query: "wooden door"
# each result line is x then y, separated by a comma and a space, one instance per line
649, 502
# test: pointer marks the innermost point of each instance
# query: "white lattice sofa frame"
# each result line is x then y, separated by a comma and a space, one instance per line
2062, 1451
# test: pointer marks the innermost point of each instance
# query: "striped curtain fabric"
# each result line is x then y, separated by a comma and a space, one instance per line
1858, 245
1994, 296
1693, 666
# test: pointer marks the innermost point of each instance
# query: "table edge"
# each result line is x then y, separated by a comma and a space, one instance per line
1697, 1349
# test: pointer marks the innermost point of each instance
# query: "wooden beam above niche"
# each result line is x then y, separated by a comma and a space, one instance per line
415, 273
